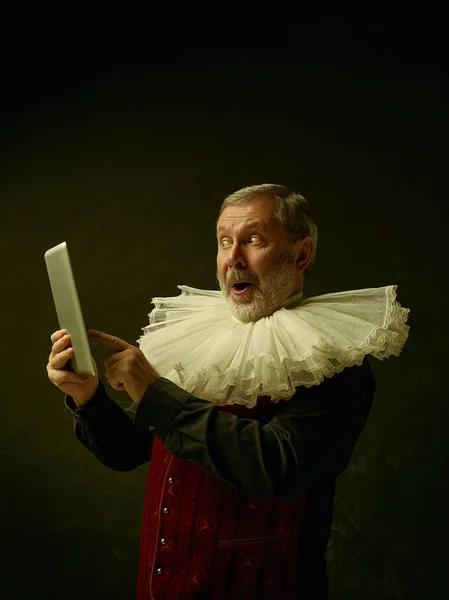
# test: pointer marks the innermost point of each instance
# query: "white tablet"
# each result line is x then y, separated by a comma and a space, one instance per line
68, 307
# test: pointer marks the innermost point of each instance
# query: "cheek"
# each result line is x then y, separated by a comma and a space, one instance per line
220, 264
259, 262
262, 263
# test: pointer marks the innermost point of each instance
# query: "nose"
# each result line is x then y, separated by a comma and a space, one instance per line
235, 258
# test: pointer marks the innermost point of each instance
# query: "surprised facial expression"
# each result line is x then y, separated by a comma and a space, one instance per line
256, 268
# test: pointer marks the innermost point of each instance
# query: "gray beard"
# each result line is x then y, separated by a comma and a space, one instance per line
268, 293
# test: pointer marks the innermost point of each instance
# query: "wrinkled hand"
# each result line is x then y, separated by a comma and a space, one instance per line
127, 370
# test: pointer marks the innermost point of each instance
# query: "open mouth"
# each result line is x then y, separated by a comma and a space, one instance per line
241, 287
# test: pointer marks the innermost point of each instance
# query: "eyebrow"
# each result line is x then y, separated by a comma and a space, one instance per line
251, 224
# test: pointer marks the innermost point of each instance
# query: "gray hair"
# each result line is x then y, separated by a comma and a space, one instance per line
292, 211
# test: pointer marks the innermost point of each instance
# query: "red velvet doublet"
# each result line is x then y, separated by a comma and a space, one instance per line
202, 539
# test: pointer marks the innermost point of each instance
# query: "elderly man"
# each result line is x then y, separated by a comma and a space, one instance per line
248, 401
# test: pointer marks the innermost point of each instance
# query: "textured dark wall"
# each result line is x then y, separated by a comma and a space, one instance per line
126, 151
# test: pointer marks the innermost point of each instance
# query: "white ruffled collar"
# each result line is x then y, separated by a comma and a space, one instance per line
194, 340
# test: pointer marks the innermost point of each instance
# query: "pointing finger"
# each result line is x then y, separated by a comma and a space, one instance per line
111, 341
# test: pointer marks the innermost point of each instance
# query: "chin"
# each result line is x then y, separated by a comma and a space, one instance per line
247, 313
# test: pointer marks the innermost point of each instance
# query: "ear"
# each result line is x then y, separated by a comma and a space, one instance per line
304, 252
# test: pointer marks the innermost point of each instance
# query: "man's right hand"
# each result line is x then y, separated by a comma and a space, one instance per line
81, 387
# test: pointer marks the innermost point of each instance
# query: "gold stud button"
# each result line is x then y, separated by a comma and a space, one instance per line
163, 541
160, 571
166, 510
171, 480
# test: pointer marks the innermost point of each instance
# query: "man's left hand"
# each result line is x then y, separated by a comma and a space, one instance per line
127, 370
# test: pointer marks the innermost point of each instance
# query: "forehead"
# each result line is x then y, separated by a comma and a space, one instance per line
257, 211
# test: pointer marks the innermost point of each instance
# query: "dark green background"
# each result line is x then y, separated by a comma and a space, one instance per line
125, 150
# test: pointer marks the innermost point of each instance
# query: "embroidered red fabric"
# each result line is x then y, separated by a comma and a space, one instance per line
198, 533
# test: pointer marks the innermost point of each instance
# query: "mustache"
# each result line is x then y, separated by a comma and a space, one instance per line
239, 275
